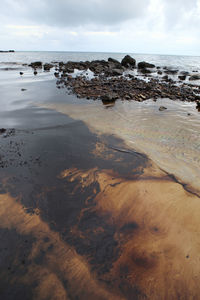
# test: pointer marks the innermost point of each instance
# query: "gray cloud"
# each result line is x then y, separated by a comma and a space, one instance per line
75, 12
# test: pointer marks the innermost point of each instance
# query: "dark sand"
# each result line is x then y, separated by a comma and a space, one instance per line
84, 217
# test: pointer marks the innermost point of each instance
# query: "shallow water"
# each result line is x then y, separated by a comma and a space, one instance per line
186, 63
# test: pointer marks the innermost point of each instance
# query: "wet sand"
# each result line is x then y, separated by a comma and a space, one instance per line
85, 216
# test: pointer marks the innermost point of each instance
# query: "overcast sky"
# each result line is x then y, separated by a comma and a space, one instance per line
140, 26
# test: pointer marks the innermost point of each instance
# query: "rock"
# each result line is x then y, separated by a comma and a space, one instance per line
128, 61
115, 72
159, 72
47, 67
36, 64
198, 106
23, 90
112, 60
161, 108
165, 78
69, 70
171, 72
145, 71
21, 73
2, 130
143, 65
194, 77
182, 77
56, 74
184, 73
35, 72
109, 97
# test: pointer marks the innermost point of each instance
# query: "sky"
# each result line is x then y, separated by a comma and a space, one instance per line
135, 26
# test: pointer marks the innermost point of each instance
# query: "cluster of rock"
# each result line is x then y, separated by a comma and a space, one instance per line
126, 88
109, 82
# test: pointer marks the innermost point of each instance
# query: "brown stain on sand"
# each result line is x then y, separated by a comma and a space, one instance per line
156, 233
157, 228
61, 263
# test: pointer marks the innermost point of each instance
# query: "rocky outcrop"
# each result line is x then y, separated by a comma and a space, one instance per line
128, 62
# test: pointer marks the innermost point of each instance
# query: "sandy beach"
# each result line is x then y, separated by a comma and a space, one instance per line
97, 201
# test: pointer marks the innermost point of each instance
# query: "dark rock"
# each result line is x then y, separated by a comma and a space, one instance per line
2, 130
128, 61
165, 78
112, 60
23, 90
194, 77
21, 73
109, 97
182, 77
47, 67
69, 70
161, 108
184, 73
159, 72
171, 72
143, 65
56, 74
35, 72
36, 64
198, 106
145, 71
115, 72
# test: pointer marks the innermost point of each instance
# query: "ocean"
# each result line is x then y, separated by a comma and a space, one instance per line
185, 63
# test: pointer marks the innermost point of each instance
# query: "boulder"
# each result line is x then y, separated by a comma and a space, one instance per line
198, 106
171, 72
47, 67
184, 73
110, 97
145, 71
144, 64
128, 61
36, 64
112, 60
182, 77
195, 77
